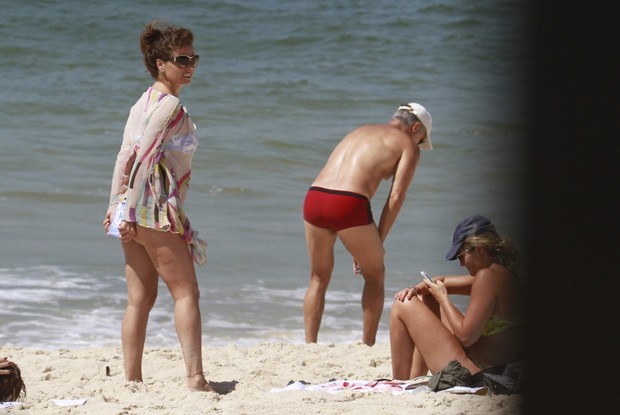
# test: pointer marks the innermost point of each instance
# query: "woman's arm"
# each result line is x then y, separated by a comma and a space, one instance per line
120, 176
469, 326
147, 156
455, 285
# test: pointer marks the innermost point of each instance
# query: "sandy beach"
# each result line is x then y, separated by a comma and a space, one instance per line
244, 378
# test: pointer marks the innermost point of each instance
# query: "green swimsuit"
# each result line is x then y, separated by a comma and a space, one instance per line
497, 324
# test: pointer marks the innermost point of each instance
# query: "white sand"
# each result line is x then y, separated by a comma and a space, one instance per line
243, 377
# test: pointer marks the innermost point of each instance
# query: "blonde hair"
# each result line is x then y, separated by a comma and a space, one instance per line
500, 248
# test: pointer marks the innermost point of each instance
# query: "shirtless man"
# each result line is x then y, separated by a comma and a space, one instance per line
338, 205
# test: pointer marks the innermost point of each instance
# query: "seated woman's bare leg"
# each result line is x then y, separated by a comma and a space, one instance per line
436, 344
418, 366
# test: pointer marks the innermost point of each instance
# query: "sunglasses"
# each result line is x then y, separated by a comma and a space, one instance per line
185, 61
464, 252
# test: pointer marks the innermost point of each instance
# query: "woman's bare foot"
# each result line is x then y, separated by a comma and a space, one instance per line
198, 383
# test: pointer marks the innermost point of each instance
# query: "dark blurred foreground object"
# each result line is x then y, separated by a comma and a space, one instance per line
571, 354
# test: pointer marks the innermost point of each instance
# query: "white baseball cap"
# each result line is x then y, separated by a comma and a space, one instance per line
425, 117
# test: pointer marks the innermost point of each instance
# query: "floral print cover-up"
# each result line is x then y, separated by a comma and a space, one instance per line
154, 184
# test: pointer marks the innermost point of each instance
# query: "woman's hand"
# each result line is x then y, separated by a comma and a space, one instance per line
4, 363
108, 217
127, 231
437, 288
409, 292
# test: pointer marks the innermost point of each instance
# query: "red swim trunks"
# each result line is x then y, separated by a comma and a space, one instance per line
336, 209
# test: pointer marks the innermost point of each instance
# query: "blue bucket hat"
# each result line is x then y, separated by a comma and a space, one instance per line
473, 225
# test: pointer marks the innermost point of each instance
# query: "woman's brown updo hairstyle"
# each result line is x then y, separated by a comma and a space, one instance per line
159, 41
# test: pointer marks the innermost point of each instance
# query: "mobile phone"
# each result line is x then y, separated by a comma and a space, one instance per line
425, 275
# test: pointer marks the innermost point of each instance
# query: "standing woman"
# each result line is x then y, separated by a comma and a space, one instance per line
149, 189
486, 334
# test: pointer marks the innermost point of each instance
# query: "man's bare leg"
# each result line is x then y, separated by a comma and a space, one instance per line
366, 247
320, 243
372, 307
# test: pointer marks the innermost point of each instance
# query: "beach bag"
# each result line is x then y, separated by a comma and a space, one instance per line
500, 380
505, 383
498, 384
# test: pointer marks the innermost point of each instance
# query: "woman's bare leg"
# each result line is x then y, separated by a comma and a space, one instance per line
142, 279
170, 256
428, 334
401, 345
418, 366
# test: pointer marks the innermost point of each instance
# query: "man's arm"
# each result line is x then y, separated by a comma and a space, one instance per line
398, 191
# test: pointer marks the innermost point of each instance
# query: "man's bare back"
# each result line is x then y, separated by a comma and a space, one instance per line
366, 156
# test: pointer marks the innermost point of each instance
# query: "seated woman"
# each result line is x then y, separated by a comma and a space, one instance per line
427, 331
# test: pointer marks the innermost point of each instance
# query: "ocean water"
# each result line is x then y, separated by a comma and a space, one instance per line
279, 84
